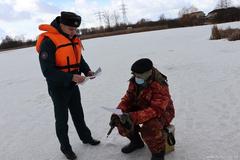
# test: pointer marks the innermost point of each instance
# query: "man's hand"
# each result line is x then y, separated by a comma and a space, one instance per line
123, 122
78, 78
91, 74
126, 121
114, 120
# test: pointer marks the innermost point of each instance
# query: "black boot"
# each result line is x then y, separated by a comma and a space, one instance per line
135, 143
68, 153
92, 141
158, 156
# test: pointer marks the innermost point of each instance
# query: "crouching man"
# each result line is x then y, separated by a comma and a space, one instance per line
147, 108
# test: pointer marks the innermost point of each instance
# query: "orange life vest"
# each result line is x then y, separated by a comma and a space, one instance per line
68, 53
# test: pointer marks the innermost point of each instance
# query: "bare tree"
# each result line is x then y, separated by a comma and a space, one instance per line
116, 18
224, 4
99, 17
187, 10
107, 18
7, 39
182, 11
162, 17
193, 9
20, 38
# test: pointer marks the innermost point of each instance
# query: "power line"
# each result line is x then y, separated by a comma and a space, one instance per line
124, 12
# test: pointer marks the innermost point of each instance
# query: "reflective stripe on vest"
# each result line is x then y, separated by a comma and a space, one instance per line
68, 54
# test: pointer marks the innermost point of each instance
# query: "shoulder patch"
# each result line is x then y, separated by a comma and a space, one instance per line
44, 55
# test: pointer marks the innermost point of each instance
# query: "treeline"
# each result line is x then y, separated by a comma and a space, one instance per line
187, 17
9, 42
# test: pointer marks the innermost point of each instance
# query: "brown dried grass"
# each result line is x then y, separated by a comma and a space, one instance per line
232, 34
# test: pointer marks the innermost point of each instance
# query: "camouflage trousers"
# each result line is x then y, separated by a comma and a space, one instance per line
152, 134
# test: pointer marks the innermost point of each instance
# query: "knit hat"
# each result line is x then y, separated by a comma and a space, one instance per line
70, 19
142, 65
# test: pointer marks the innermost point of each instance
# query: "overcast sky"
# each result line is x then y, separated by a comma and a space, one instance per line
22, 17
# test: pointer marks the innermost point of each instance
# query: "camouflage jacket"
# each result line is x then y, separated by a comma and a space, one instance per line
151, 101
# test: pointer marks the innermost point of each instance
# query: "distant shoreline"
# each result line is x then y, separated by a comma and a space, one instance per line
129, 30
106, 34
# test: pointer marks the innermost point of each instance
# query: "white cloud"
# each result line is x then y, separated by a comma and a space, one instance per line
47, 8
80, 2
18, 17
7, 13
26, 5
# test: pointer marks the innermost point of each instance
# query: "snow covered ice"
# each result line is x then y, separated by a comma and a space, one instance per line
204, 78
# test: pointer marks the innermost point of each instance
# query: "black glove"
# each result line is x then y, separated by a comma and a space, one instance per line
126, 121
114, 120
123, 119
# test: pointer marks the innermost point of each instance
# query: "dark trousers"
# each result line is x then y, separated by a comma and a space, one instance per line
64, 99
151, 132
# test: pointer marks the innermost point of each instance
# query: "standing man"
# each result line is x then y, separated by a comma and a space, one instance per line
61, 60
